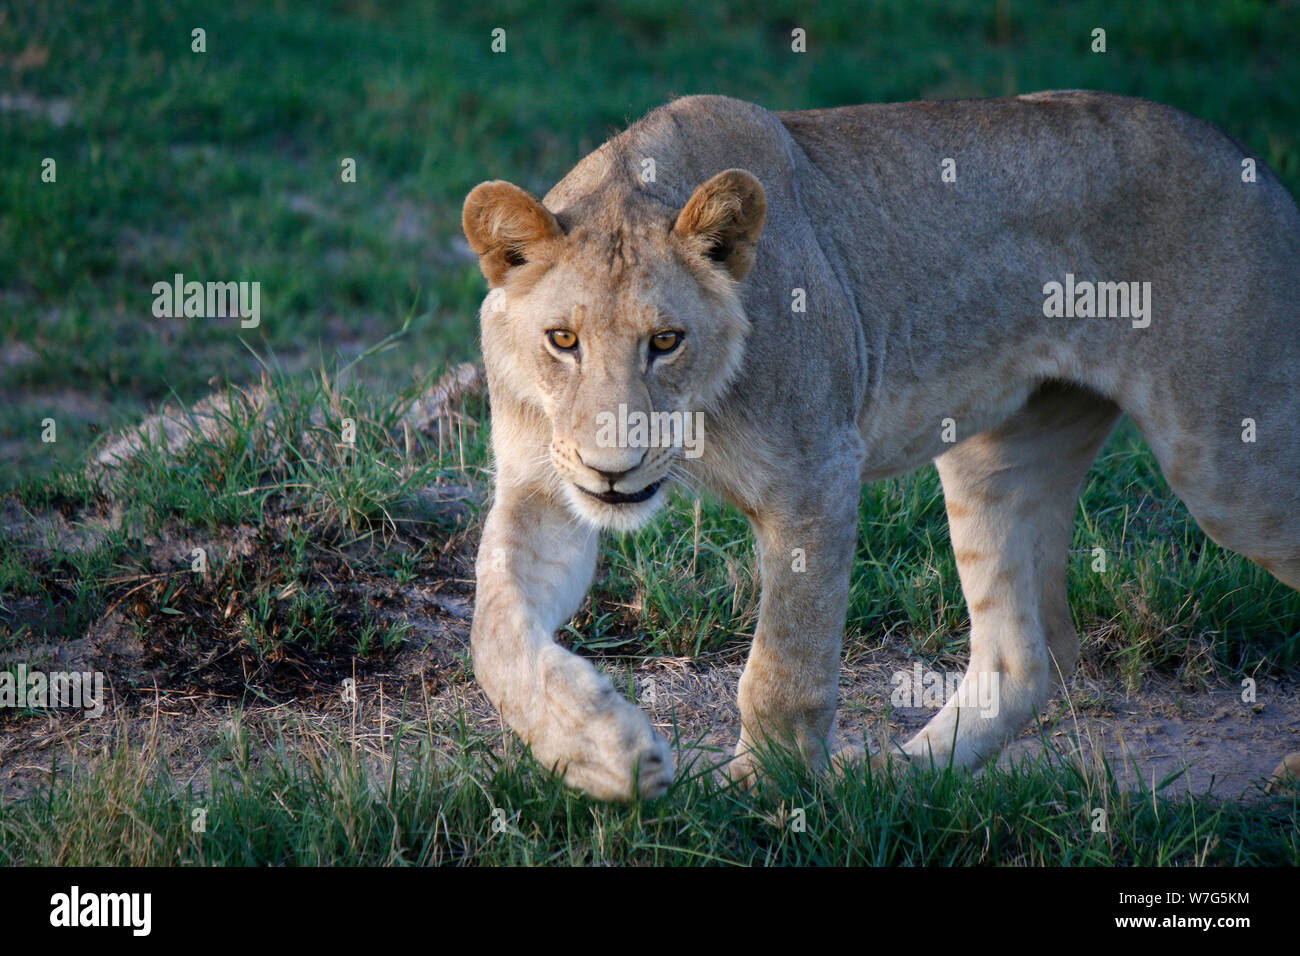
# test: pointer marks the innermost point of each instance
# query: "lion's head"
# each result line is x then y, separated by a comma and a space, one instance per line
618, 319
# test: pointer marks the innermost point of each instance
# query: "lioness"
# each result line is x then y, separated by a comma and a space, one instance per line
987, 284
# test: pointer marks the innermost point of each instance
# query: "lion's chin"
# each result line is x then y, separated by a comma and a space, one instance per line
617, 515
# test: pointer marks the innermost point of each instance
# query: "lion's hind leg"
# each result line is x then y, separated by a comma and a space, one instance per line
1011, 494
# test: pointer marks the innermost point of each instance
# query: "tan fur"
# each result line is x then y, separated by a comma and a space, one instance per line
924, 304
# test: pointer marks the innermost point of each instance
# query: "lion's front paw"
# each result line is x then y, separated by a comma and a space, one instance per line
745, 769
595, 739
616, 755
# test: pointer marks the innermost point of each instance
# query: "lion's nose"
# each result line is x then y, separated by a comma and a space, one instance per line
612, 476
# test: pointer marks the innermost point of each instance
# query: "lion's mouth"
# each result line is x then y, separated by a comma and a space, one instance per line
619, 498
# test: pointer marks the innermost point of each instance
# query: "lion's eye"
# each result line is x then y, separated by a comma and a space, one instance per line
563, 339
663, 342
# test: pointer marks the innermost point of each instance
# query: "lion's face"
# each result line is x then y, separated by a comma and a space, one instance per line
622, 328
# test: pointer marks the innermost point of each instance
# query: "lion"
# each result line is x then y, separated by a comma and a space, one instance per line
837, 296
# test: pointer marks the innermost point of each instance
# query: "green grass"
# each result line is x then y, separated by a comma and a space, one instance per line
226, 166
317, 798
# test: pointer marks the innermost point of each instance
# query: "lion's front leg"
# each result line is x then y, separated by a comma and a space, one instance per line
788, 692
535, 563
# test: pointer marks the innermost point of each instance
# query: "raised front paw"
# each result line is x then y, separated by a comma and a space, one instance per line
596, 740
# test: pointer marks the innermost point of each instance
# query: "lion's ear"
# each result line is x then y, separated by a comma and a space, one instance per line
506, 227
723, 219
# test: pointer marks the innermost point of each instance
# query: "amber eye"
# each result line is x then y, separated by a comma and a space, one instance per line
662, 342
563, 339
